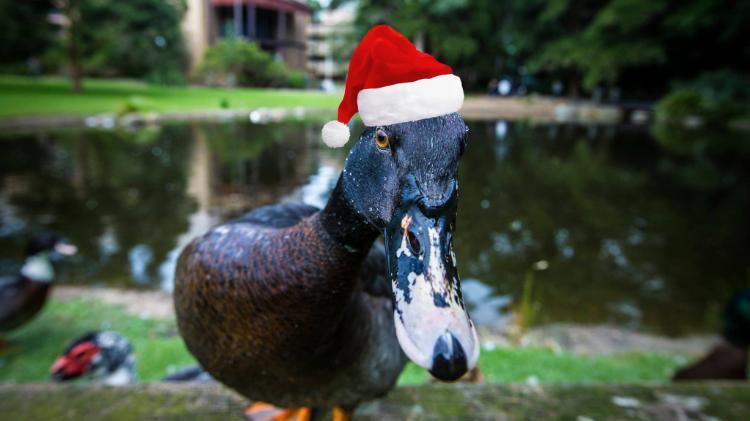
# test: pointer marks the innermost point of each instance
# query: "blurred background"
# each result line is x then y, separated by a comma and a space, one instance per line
603, 220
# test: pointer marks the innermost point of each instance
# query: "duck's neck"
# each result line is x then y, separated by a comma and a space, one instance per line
345, 225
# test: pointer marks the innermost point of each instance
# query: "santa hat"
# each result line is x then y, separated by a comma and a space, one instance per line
389, 82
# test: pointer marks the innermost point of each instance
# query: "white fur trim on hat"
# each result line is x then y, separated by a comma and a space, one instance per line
411, 101
335, 134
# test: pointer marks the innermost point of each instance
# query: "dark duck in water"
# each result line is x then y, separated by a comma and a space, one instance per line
22, 296
301, 307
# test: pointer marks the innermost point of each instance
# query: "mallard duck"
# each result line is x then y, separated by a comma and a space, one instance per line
22, 296
300, 307
728, 359
107, 357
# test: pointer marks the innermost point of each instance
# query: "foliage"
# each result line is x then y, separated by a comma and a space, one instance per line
296, 79
714, 97
602, 40
136, 38
588, 42
25, 32
236, 62
25, 96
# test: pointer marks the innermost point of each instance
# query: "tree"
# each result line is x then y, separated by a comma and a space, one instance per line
585, 42
26, 30
136, 38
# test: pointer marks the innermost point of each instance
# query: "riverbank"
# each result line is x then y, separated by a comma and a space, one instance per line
48, 103
51, 96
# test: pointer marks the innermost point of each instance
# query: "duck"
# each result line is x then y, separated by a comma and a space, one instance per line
23, 295
107, 357
103, 357
303, 310
728, 359
300, 308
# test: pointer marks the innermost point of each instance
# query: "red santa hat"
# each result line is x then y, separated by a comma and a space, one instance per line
389, 82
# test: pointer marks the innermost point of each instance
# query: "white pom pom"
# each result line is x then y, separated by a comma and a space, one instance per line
335, 134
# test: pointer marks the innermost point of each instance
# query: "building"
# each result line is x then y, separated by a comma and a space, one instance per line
279, 26
330, 43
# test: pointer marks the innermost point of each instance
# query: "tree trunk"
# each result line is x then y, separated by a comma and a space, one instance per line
76, 72
74, 48
574, 86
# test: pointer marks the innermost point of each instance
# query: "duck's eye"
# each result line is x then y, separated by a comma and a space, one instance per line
381, 139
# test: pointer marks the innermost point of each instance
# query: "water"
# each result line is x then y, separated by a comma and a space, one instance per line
614, 226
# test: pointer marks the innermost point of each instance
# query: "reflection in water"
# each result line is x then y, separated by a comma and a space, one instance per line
199, 188
632, 231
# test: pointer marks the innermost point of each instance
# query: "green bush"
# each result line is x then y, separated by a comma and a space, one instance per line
136, 38
714, 98
680, 104
236, 62
296, 79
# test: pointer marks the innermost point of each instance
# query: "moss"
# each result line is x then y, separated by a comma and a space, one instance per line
430, 402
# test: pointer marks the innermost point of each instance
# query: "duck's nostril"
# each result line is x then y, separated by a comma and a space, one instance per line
414, 245
448, 358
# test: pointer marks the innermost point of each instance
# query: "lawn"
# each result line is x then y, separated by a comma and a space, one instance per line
23, 96
159, 349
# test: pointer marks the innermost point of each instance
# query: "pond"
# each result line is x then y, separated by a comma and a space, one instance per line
610, 224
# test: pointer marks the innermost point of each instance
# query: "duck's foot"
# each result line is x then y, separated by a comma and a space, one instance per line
261, 411
342, 414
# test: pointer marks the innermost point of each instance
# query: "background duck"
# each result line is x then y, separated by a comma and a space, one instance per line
728, 359
108, 358
102, 357
24, 294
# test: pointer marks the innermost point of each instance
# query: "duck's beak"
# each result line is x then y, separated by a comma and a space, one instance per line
432, 325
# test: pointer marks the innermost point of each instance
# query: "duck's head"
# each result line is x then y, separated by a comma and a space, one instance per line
403, 179
105, 357
50, 243
42, 251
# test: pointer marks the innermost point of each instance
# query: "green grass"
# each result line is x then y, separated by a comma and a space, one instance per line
22, 96
518, 365
32, 349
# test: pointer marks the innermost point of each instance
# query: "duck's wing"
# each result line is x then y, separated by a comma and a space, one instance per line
280, 215
9, 285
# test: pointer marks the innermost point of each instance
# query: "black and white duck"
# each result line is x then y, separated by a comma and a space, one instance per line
101, 357
23, 295
106, 357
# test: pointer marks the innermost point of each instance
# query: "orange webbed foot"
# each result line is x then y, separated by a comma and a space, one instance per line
342, 414
261, 411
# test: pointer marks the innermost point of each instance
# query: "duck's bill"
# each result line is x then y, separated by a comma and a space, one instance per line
432, 325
